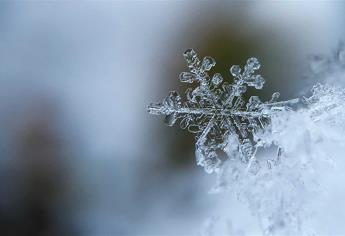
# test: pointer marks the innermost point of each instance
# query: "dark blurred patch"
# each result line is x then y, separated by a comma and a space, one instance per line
33, 185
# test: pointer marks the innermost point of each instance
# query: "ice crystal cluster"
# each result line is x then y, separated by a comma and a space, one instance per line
302, 139
218, 114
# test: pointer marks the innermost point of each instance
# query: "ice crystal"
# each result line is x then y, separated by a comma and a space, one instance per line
218, 114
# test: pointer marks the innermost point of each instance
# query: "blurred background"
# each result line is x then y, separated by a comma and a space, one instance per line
79, 153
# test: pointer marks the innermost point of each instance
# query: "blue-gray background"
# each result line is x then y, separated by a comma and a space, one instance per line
79, 153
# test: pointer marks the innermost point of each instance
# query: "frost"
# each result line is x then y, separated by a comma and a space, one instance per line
302, 139
281, 187
217, 113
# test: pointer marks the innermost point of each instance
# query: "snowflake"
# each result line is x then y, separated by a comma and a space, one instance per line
218, 114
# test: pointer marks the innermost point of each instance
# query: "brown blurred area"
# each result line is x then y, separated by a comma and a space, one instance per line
34, 183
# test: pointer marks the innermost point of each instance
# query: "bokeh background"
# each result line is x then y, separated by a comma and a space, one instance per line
79, 153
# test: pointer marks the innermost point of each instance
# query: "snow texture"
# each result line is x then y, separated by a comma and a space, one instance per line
302, 140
